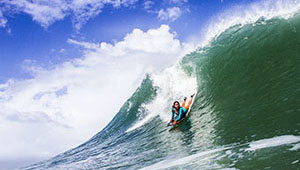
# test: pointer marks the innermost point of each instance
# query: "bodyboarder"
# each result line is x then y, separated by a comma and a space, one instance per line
179, 112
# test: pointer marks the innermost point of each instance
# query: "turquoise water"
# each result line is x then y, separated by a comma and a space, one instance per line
246, 114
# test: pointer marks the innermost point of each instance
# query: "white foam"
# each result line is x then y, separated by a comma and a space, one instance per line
295, 147
260, 144
273, 142
140, 123
181, 161
173, 84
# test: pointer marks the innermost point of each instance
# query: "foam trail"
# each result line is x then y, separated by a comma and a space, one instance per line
169, 163
272, 142
296, 147
173, 84
260, 144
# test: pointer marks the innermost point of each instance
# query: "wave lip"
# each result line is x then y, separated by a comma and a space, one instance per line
240, 15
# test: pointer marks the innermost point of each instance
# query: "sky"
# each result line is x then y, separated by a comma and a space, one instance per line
66, 67
39, 30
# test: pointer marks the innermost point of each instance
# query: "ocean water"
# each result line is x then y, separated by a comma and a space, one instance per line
246, 113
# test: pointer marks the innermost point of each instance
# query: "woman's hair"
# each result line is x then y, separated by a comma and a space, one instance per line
174, 104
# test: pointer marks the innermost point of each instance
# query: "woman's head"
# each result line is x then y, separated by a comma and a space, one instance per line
176, 105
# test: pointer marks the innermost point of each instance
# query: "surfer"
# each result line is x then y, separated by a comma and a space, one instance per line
179, 112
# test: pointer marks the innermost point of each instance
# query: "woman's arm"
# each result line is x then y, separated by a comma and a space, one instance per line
180, 113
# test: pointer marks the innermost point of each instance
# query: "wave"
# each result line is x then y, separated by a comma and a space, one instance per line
245, 114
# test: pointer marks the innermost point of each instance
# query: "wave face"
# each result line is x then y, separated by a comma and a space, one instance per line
246, 114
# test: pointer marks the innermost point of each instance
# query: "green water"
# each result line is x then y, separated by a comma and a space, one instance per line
250, 78
246, 114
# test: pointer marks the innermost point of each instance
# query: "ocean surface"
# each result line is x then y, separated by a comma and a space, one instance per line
246, 113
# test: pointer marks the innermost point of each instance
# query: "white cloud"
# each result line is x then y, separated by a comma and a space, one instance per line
86, 45
47, 12
44, 12
84, 10
170, 14
62, 50
60, 108
8, 31
118, 3
148, 4
3, 20
178, 1
80, 11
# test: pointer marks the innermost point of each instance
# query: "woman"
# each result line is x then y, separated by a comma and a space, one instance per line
178, 112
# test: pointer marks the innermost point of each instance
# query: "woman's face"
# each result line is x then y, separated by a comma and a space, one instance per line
176, 105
